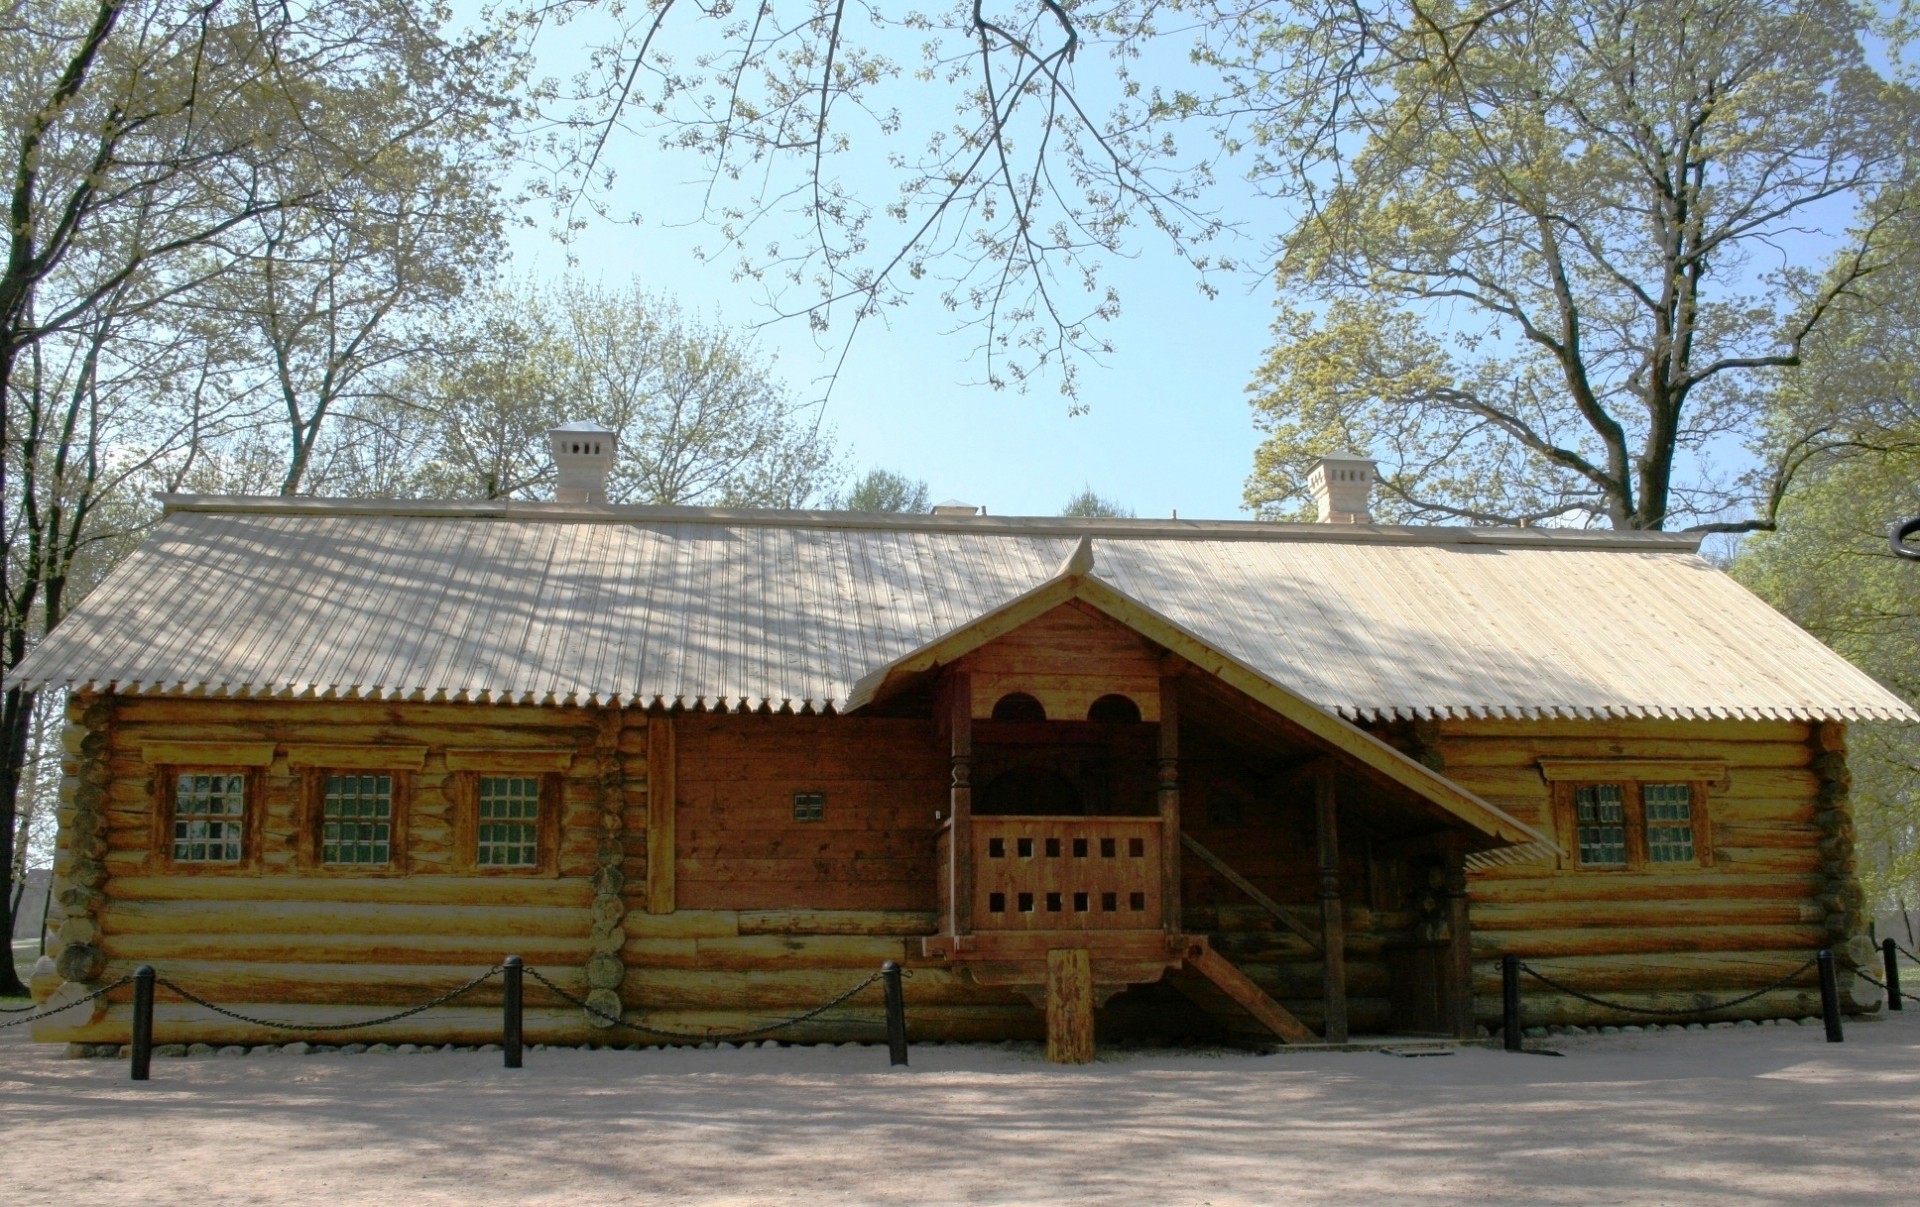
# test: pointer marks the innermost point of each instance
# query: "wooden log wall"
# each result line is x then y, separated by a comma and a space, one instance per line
769, 915
1781, 882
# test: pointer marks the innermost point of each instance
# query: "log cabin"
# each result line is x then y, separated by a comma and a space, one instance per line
704, 768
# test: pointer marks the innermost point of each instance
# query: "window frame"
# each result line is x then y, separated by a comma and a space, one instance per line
314, 792
466, 836
1634, 822
166, 784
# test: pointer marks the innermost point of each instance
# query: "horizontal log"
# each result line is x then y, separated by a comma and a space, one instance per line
1493, 916
1718, 883
214, 918
837, 869
1544, 943
347, 948
426, 890
704, 841
1727, 974
224, 982
837, 922
773, 953
1778, 835
1754, 859
1525, 752
797, 990
685, 923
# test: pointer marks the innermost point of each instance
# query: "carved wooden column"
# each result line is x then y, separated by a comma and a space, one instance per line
1332, 920
960, 801
1169, 802
1459, 948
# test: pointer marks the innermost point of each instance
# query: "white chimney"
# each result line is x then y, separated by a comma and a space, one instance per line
583, 455
1342, 486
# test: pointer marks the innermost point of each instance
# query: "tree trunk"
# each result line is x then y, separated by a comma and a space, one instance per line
15, 715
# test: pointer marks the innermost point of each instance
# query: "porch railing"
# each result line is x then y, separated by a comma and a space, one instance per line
1064, 873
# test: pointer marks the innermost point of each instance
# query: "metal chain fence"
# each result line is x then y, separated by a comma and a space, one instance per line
1663, 1011
274, 1024
709, 1037
51, 1011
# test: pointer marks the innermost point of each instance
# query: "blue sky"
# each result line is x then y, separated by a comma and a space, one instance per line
1167, 427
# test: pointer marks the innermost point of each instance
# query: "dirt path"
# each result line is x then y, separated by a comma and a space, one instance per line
1755, 1116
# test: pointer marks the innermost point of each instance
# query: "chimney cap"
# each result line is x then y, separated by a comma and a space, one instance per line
581, 425
955, 507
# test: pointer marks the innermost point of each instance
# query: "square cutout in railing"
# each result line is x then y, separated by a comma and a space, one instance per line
1110, 903
1026, 903
1079, 848
1108, 848
1025, 847
1080, 903
996, 903
1137, 902
1137, 848
1053, 848
996, 848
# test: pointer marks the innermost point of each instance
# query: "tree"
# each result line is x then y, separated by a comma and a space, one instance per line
701, 415
1015, 176
1531, 260
1095, 506
141, 138
884, 490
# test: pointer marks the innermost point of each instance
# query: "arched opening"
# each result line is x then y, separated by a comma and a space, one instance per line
1019, 706
1029, 792
1114, 709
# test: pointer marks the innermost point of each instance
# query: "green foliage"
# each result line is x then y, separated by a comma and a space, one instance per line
884, 490
1092, 505
701, 414
1529, 259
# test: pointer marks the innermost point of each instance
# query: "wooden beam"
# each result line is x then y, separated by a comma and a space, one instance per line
1332, 921
960, 802
1169, 794
1259, 898
662, 895
1250, 997
1459, 948
1070, 1006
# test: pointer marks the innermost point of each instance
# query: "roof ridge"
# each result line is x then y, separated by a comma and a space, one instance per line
983, 525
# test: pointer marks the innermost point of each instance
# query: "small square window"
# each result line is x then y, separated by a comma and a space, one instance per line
1669, 809
809, 806
1601, 821
209, 810
509, 822
356, 815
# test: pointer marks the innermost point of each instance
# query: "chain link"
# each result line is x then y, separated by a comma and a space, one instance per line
442, 1000
1881, 985
55, 1010
1664, 1012
710, 1037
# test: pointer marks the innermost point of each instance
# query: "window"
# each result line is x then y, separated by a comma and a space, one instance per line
1600, 814
809, 806
1634, 826
508, 833
356, 820
1669, 809
209, 816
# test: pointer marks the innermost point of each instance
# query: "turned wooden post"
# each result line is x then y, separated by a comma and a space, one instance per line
960, 802
1169, 801
1070, 1006
1332, 920
1459, 948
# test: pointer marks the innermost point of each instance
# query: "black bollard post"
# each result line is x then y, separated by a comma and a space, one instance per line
1891, 951
1510, 1001
896, 1014
510, 999
142, 1021
1829, 997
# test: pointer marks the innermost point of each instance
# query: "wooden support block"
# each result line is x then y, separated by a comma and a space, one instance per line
1070, 1006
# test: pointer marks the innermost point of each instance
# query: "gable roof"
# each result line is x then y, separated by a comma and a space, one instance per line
540, 602
1077, 581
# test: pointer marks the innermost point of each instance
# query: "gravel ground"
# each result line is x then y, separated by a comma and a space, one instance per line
1751, 1116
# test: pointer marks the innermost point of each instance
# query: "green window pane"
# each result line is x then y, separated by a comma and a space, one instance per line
1600, 819
508, 833
356, 820
209, 811
1669, 822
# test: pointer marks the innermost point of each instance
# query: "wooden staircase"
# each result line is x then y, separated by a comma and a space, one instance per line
1216, 985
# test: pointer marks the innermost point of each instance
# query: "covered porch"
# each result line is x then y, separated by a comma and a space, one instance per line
1130, 834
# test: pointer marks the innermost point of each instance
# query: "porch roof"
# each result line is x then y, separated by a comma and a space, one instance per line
542, 603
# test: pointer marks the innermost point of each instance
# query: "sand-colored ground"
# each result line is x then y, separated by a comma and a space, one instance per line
1771, 1115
